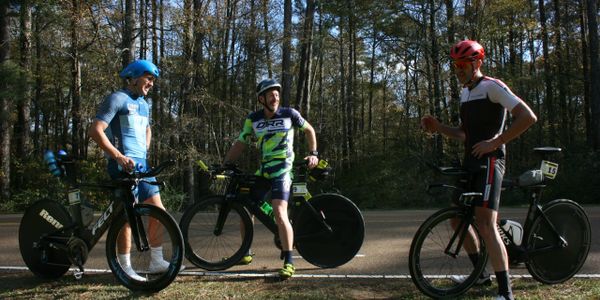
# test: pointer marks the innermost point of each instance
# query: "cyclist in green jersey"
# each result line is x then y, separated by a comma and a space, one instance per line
273, 126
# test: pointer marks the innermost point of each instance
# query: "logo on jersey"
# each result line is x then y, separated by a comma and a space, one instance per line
271, 124
132, 108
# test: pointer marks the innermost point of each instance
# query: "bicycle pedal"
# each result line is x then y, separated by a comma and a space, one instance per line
77, 274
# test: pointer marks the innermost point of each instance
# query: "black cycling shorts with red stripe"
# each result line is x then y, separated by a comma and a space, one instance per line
485, 177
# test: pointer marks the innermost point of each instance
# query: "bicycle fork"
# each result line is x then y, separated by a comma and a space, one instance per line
462, 230
137, 229
221, 218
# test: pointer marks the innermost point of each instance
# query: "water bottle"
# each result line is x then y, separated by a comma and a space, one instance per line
513, 230
531, 177
267, 209
50, 160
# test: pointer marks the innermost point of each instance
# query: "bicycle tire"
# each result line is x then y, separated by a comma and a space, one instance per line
204, 247
559, 265
339, 247
171, 242
39, 220
431, 269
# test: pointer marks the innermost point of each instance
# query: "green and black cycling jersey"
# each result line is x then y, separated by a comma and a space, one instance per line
275, 139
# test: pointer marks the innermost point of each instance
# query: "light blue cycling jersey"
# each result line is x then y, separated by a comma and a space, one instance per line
128, 117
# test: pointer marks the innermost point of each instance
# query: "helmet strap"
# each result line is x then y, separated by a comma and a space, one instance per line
473, 75
264, 104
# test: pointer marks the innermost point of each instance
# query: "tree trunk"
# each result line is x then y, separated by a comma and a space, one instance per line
143, 28
349, 97
372, 82
22, 128
304, 76
265, 12
128, 42
77, 131
435, 73
549, 97
592, 13
454, 90
586, 73
286, 74
37, 145
5, 107
562, 79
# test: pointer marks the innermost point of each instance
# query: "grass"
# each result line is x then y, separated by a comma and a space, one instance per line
23, 285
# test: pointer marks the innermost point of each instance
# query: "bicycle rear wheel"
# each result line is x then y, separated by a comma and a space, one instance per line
41, 222
161, 231
329, 250
559, 264
217, 233
431, 268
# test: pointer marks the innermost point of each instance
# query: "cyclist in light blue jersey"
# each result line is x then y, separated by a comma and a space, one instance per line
122, 130
273, 127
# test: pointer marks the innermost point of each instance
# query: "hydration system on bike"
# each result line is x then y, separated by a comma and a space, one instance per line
53, 166
60, 165
511, 230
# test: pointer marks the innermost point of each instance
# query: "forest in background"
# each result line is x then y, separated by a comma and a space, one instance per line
361, 72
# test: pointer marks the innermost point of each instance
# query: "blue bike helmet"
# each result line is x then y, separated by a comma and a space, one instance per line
138, 68
267, 84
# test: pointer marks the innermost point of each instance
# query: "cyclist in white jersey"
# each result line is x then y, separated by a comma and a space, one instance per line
484, 103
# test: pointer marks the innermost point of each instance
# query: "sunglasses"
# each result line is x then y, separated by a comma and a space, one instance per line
462, 64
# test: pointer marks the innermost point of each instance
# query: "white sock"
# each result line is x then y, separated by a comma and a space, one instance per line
156, 253
125, 259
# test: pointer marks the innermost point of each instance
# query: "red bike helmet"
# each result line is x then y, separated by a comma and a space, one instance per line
467, 50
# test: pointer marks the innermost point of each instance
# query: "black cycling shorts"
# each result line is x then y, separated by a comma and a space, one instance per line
485, 177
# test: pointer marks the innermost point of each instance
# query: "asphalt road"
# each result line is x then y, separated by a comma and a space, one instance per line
384, 251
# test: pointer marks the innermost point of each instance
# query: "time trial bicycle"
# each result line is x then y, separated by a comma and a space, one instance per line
53, 237
553, 243
218, 230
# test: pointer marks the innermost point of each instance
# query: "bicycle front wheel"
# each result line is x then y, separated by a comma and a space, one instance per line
435, 259
548, 262
161, 231
217, 233
315, 244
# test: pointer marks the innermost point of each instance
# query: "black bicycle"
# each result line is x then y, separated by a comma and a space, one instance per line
218, 230
53, 237
553, 243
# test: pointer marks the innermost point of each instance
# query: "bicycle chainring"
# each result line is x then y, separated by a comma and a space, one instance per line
78, 251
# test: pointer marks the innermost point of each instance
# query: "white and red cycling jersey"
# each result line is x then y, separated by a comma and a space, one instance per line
483, 110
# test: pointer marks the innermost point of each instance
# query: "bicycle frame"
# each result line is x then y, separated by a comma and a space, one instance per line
300, 197
534, 210
92, 234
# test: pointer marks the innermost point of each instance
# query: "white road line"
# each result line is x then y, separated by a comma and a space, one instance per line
300, 257
265, 275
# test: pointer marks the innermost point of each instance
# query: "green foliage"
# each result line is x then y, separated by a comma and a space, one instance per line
11, 75
172, 199
386, 181
399, 182
37, 184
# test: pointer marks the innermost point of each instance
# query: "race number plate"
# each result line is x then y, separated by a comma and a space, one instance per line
299, 189
74, 197
549, 169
